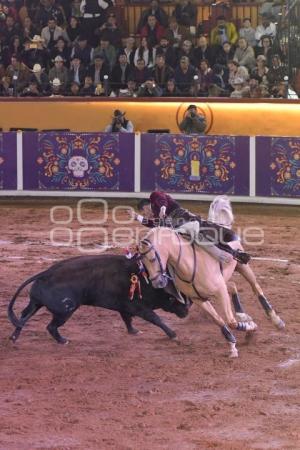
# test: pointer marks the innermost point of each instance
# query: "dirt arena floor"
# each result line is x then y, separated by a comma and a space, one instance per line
110, 390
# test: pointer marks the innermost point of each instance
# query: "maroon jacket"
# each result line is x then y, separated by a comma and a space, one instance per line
159, 199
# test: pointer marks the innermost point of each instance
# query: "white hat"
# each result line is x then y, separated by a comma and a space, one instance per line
238, 80
37, 68
56, 82
37, 38
58, 58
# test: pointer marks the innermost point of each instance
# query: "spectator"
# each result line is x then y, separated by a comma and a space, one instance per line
131, 89
74, 89
51, 33
146, 52
153, 31
205, 77
176, 33
161, 71
73, 29
59, 72
32, 90
75, 10
193, 122
77, 71
167, 51
244, 54
140, 72
266, 49
110, 31
83, 51
225, 54
87, 89
18, 73
61, 49
149, 89
35, 53
277, 71
218, 77
203, 51
28, 30
253, 85
238, 85
184, 74
6, 87
99, 69
266, 28
121, 73
10, 29
108, 51
49, 9
93, 15
271, 9
248, 32
185, 13
261, 70
119, 123
186, 49
223, 32
41, 78
171, 90
14, 48
56, 88
156, 11
129, 49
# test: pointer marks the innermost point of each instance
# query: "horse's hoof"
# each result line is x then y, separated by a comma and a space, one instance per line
233, 354
276, 321
173, 336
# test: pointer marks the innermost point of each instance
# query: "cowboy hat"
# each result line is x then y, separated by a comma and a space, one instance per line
37, 38
56, 82
36, 68
118, 113
58, 58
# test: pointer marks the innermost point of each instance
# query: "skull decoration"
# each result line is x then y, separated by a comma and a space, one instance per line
78, 165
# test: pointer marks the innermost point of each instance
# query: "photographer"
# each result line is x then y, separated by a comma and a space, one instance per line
119, 124
193, 123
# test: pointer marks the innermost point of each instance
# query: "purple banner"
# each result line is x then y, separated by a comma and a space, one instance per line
8, 161
195, 164
78, 161
278, 166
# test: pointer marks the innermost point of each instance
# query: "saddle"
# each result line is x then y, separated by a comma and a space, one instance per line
192, 231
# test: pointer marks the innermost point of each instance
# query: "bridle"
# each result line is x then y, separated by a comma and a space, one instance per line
162, 272
157, 258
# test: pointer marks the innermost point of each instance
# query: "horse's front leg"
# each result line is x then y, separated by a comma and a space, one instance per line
246, 271
230, 338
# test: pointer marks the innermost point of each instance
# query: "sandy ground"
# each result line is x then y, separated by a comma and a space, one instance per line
109, 390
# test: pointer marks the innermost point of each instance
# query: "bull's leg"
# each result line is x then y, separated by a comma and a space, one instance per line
56, 322
127, 317
246, 271
27, 312
151, 316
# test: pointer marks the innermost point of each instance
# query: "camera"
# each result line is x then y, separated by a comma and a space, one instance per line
193, 115
117, 121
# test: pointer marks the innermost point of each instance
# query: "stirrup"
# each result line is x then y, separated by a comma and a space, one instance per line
241, 257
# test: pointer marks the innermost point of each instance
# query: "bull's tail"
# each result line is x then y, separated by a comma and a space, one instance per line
11, 315
220, 211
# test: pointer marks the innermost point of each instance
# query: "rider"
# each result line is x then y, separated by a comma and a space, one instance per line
162, 210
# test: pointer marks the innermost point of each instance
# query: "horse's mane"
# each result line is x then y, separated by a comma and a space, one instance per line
220, 211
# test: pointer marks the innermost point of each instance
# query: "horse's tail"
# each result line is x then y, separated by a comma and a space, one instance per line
11, 315
220, 211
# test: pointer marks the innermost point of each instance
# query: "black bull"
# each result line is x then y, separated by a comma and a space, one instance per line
103, 281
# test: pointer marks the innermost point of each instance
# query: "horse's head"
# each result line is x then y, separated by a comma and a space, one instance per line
154, 255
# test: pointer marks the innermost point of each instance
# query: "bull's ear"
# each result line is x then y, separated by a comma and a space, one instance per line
172, 290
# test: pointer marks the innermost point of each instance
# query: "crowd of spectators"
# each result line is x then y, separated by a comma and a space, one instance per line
78, 48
